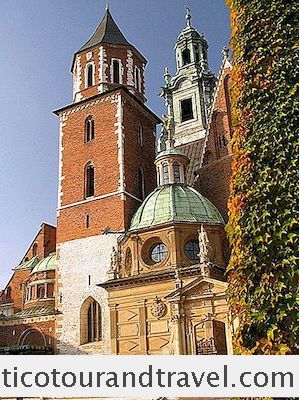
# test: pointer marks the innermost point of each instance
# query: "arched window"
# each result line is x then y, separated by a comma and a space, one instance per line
40, 291
90, 75
89, 180
91, 321
165, 173
176, 172
116, 70
137, 79
89, 129
186, 56
140, 134
34, 250
141, 183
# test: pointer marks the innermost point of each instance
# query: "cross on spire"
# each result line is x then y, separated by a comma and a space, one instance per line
107, 5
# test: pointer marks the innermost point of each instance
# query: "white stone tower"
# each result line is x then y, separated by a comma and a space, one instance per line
188, 93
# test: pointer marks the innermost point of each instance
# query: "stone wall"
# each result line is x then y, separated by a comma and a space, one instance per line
83, 263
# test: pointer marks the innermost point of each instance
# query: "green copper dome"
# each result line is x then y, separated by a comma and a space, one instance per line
175, 203
46, 264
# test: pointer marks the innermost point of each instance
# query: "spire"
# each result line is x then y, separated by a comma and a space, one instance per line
188, 15
106, 32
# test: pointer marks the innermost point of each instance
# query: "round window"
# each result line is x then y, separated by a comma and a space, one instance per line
192, 250
158, 252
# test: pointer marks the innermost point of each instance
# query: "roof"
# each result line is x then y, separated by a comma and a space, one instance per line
175, 203
193, 151
29, 264
46, 264
106, 32
35, 311
170, 152
120, 87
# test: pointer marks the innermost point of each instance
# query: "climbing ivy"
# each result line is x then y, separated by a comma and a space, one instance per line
263, 272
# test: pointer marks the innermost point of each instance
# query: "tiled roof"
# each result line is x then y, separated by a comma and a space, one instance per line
36, 311
106, 32
175, 203
194, 152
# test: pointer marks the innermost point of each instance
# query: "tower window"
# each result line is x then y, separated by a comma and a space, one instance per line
89, 129
221, 141
165, 173
140, 134
115, 72
186, 56
89, 180
141, 183
87, 220
137, 79
196, 50
186, 110
90, 75
176, 172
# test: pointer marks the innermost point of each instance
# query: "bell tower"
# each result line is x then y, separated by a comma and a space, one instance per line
106, 168
188, 93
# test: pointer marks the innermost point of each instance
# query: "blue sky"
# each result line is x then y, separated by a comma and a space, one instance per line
38, 39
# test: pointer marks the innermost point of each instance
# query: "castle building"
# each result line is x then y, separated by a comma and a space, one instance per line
137, 262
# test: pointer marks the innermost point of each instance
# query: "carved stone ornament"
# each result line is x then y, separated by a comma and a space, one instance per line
158, 308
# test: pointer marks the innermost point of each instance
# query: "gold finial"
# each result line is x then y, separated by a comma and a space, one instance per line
225, 52
188, 15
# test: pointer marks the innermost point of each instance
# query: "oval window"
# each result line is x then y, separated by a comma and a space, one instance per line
192, 250
158, 252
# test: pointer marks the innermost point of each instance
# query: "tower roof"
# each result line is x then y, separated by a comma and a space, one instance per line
106, 32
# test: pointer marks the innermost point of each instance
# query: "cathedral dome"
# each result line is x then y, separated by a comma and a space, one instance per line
175, 203
46, 264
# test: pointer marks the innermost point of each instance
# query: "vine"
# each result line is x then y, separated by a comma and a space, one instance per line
263, 272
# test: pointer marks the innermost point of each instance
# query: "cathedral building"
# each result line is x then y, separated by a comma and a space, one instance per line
137, 262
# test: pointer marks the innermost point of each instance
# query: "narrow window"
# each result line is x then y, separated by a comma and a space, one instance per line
87, 221
196, 50
34, 250
140, 135
40, 291
176, 172
137, 79
165, 173
186, 57
50, 290
90, 75
115, 75
89, 129
141, 183
186, 110
221, 141
89, 180
93, 322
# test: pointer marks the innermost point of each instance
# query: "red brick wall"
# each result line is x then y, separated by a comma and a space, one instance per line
103, 153
214, 176
45, 241
11, 335
112, 51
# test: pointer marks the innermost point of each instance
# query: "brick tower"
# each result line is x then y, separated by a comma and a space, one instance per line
106, 168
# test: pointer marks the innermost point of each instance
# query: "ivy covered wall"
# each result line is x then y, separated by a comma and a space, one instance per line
263, 227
